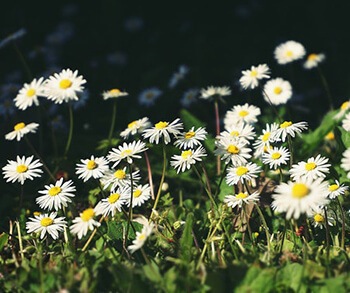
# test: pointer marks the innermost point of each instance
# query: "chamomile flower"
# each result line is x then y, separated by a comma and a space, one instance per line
318, 217
313, 168
136, 126
313, 60
241, 113
264, 141
45, 223
20, 129
148, 96
163, 129
114, 202
127, 151
141, 237
290, 128
345, 161
251, 78
344, 108
240, 199
191, 138
240, 132
84, 222
277, 91
64, 86
241, 173
336, 189
346, 122
178, 76
299, 197
55, 196
113, 94
276, 157
93, 167
212, 91
288, 52
189, 97
28, 94
140, 193
187, 158
22, 169
119, 178
235, 152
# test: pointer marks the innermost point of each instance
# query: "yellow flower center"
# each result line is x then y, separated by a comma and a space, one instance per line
243, 113
312, 57
31, 92
234, 133
277, 90
19, 126
241, 170
253, 73
137, 192
87, 214
190, 134
126, 152
132, 124
65, 84
286, 124
266, 136
345, 105
113, 198
120, 174
241, 195
91, 164
330, 136
289, 53
36, 213
333, 187
53, 191
142, 237
149, 96
310, 166
186, 154
232, 149
319, 218
46, 222
114, 91
161, 125
300, 190
276, 156
21, 168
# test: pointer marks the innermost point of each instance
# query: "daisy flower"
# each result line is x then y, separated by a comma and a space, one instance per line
127, 151
318, 218
251, 78
114, 202
313, 60
314, 168
119, 178
178, 76
141, 193
276, 157
290, 128
212, 91
343, 109
56, 195
300, 197
346, 122
64, 86
20, 129
277, 91
22, 169
264, 141
345, 161
189, 97
236, 152
241, 113
240, 199
163, 129
187, 158
240, 132
191, 138
241, 173
28, 95
84, 222
148, 96
336, 189
141, 237
288, 52
136, 126
113, 93
93, 167
45, 223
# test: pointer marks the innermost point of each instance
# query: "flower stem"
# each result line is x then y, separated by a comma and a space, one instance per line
217, 123
20, 240
92, 235
111, 129
342, 243
131, 199
70, 134
212, 201
23, 61
149, 170
266, 228
326, 87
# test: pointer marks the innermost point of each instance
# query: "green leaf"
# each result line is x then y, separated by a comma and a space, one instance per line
186, 240
114, 231
190, 120
344, 136
3, 240
151, 271
225, 189
105, 144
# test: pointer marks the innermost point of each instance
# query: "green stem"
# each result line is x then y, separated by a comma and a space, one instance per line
290, 150
327, 240
111, 129
342, 243
131, 200
221, 179
92, 235
217, 123
212, 201
70, 134
23, 61
20, 240
326, 87
266, 228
